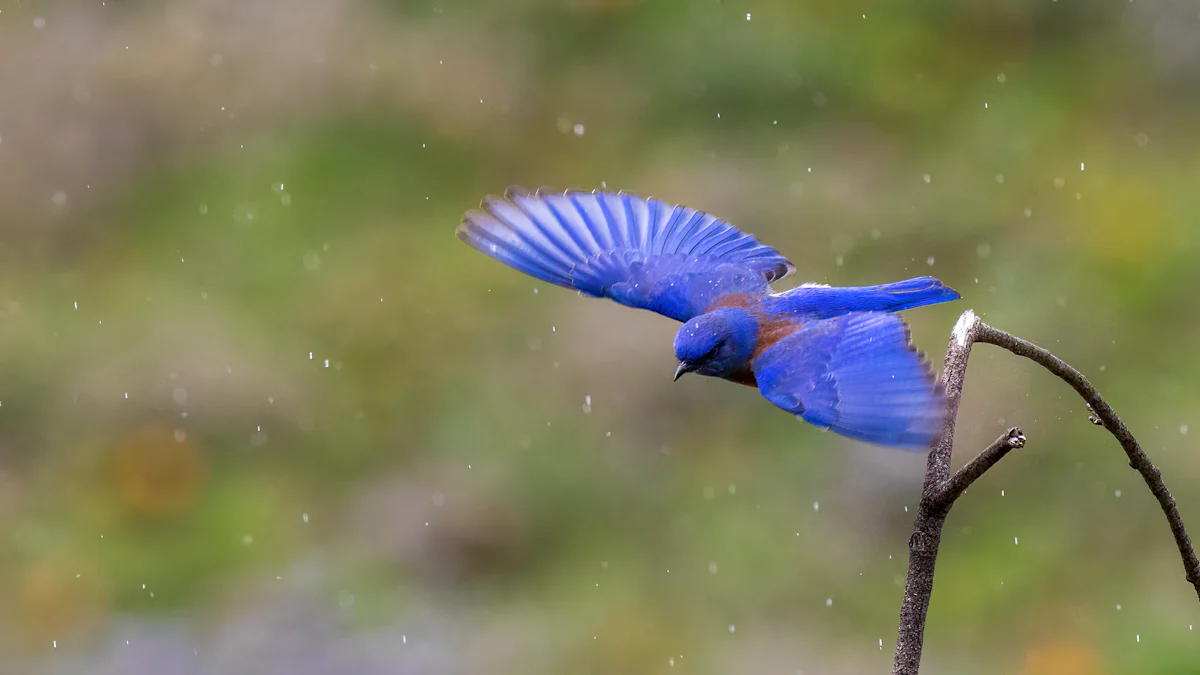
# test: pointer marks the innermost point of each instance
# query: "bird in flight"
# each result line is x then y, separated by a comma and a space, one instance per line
839, 358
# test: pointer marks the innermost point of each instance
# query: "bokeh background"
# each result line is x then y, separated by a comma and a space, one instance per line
261, 412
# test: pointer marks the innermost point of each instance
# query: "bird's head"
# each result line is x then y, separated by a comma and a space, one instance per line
717, 343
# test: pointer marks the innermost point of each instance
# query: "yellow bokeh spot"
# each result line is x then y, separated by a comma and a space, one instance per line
1061, 659
158, 471
1125, 223
59, 599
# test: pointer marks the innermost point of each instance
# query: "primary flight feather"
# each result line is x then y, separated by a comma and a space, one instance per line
839, 358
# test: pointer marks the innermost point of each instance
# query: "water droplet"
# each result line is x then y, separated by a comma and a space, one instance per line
304, 517
732, 489
829, 602
1015, 542
39, 22
248, 539
587, 404
1183, 428
712, 568
180, 395
312, 261
1117, 493
732, 628
927, 178
748, 16
929, 261
1000, 178
578, 129
816, 506
1001, 78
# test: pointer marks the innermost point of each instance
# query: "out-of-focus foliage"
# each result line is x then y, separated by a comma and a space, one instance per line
260, 412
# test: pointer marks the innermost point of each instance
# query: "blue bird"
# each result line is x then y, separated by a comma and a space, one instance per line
839, 358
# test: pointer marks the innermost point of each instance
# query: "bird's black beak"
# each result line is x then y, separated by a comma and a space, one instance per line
684, 367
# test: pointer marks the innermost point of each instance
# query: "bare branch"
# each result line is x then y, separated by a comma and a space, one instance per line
962, 479
941, 490
1104, 412
927, 530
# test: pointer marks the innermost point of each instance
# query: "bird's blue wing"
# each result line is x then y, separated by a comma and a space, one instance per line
858, 375
642, 253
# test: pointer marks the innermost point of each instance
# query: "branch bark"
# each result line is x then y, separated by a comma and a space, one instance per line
941, 489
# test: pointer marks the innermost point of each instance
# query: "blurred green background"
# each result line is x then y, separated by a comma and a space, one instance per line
261, 412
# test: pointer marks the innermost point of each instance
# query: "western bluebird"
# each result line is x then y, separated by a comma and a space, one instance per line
839, 358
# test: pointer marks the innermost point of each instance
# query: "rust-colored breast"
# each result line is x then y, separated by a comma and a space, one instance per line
770, 331
742, 300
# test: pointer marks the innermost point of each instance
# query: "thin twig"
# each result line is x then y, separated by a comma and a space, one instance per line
941, 490
962, 479
1104, 412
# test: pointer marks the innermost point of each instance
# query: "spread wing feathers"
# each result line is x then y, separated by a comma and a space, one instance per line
640, 252
858, 375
